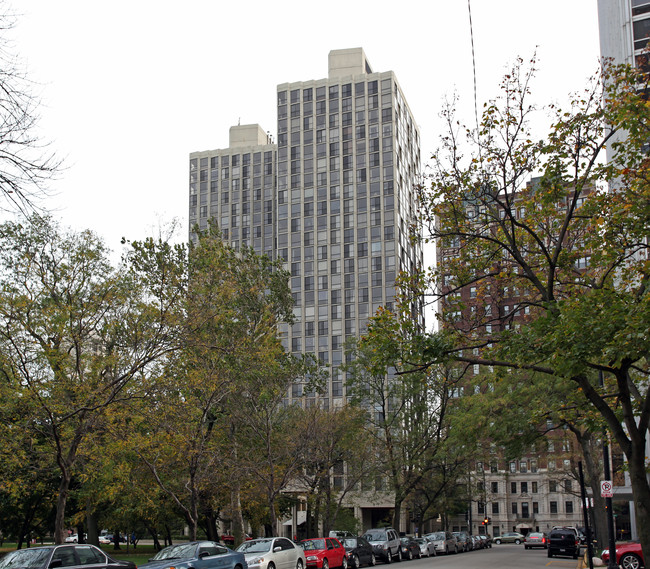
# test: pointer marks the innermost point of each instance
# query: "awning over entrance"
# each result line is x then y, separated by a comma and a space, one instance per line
300, 519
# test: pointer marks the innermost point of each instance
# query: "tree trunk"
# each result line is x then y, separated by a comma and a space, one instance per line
641, 493
59, 520
168, 535
80, 533
116, 540
236, 515
272, 514
154, 536
397, 511
593, 457
91, 522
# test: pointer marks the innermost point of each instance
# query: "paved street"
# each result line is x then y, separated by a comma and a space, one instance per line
499, 557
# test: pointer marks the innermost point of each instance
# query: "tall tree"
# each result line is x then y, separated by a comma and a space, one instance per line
76, 334
189, 442
407, 406
560, 262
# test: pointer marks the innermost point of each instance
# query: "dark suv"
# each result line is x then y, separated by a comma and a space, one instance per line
563, 542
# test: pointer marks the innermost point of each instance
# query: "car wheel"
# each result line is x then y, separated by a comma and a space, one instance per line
270, 566
517, 541
550, 553
526, 547
575, 555
389, 557
410, 556
344, 563
325, 564
354, 562
497, 541
373, 560
630, 561
299, 564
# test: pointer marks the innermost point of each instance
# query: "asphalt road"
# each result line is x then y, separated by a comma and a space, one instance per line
503, 556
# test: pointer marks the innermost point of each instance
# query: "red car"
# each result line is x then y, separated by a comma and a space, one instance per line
324, 552
628, 555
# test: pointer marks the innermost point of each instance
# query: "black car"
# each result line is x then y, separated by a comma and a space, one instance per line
65, 555
359, 551
410, 548
563, 542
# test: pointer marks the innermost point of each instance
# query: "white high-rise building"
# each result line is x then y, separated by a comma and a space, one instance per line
333, 198
624, 30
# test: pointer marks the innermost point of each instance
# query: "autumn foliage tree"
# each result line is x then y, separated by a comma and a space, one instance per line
76, 336
557, 265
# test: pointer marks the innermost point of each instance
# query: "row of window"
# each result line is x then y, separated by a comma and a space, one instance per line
553, 486
334, 91
524, 510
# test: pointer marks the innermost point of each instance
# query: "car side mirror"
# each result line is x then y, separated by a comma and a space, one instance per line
276, 549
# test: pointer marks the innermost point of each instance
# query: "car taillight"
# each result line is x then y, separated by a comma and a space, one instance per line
543, 540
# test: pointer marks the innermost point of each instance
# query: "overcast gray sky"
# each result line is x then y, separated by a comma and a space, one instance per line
131, 87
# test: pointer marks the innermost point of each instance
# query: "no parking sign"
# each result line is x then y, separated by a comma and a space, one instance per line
606, 489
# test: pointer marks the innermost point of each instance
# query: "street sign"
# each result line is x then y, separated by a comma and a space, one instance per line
606, 489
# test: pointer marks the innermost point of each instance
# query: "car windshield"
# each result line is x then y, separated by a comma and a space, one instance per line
420, 540
25, 558
181, 551
437, 535
256, 546
375, 536
312, 544
350, 542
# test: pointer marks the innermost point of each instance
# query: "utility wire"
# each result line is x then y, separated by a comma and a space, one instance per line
471, 35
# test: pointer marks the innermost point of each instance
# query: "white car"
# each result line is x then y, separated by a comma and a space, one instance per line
273, 553
427, 548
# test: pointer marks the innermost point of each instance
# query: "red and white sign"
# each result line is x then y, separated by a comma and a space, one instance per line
606, 489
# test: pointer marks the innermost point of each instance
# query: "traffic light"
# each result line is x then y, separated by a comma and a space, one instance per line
486, 521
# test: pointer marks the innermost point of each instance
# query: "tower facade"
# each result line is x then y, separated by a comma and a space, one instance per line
624, 30
333, 199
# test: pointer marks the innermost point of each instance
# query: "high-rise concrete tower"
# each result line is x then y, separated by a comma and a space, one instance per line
624, 30
334, 199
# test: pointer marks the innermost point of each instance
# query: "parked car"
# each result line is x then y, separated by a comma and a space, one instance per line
410, 548
70, 556
229, 539
359, 552
338, 534
197, 555
628, 555
462, 537
103, 540
273, 553
385, 543
535, 539
427, 548
444, 541
563, 542
477, 542
509, 537
323, 553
